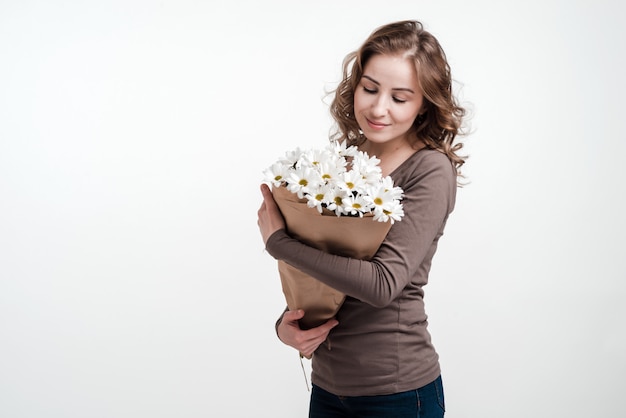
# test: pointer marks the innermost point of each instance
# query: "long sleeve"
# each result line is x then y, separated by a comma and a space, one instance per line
429, 183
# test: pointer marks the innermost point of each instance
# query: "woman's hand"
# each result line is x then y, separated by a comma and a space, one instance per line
270, 218
305, 341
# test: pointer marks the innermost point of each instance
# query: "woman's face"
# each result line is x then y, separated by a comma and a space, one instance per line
387, 99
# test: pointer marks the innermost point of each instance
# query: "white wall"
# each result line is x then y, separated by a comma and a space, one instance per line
133, 281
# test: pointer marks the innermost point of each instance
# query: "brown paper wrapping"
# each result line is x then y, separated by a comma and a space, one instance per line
344, 235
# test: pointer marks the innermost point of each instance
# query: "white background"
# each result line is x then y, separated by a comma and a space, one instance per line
133, 134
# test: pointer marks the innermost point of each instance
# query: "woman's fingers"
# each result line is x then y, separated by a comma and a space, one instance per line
305, 341
270, 218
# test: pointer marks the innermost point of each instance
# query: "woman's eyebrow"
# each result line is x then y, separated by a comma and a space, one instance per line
395, 89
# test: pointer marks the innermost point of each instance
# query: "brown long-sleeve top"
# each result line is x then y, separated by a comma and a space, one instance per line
381, 344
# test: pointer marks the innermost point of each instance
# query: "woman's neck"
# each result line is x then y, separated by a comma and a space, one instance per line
391, 155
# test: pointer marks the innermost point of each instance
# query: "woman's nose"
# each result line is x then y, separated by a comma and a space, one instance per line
379, 106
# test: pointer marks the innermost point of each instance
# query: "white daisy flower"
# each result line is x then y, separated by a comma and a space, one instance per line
276, 174
291, 157
351, 181
338, 178
379, 197
329, 171
391, 212
341, 149
302, 180
354, 205
396, 192
322, 197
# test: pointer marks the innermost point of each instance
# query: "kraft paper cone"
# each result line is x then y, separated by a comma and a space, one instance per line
344, 235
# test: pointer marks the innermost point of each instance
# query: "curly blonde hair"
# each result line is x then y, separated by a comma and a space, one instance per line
441, 122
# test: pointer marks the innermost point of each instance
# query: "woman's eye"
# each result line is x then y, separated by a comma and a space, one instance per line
374, 91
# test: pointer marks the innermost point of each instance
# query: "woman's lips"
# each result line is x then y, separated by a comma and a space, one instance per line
375, 125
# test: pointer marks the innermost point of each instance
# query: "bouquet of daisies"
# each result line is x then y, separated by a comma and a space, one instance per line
334, 199
339, 179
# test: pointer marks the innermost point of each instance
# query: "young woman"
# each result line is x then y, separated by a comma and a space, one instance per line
395, 102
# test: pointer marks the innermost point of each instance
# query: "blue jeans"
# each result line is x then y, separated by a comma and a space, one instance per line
425, 402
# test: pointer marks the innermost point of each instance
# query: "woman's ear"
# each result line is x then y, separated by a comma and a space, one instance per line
424, 108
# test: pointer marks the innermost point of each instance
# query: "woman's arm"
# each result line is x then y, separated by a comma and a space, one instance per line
429, 188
